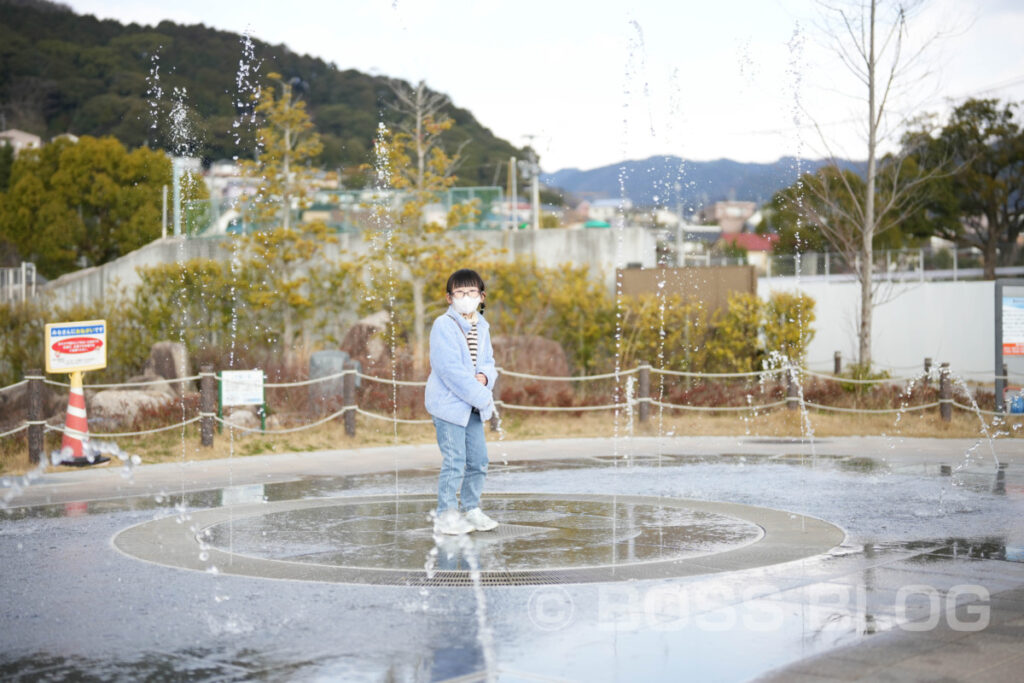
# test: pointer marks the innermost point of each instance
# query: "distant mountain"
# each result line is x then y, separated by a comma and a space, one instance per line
671, 181
63, 72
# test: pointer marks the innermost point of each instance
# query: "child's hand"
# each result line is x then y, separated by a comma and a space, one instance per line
482, 378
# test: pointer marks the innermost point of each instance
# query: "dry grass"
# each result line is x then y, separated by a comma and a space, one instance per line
183, 446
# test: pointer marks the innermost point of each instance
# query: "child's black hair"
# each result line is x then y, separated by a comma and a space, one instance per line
464, 277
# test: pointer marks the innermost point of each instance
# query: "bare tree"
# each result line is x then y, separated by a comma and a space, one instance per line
422, 119
420, 167
871, 39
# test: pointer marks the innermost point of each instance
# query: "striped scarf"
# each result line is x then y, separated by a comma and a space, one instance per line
471, 340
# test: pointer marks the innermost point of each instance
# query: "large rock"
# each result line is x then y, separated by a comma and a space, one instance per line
242, 416
365, 343
119, 408
153, 384
169, 360
535, 356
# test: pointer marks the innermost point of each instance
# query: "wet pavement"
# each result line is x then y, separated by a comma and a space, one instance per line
698, 558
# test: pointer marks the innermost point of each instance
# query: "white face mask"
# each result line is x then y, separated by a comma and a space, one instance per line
466, 305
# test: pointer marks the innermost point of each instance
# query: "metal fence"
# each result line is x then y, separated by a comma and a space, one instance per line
346, 210
18, 284
887, 264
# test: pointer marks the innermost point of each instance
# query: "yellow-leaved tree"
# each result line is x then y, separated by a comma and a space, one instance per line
286, 143
287, 276
416, 248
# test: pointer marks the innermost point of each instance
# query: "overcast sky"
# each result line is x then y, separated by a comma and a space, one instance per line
596, 82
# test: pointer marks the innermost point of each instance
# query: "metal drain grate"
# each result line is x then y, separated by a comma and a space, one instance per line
461, 579
502, 532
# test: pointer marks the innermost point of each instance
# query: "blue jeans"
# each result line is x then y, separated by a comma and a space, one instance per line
463, 464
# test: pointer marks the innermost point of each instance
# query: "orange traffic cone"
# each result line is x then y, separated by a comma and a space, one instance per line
76, 429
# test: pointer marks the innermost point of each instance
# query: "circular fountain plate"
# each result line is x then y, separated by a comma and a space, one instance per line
542, 539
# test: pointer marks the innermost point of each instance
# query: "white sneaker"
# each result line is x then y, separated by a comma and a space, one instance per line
452, 523
479, 520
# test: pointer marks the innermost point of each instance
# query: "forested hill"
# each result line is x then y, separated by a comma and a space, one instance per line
63, 72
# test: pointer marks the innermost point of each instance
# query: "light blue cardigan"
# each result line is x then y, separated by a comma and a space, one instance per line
452, 388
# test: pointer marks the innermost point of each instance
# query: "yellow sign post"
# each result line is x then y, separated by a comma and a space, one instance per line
76, 348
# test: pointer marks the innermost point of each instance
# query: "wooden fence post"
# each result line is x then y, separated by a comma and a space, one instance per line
35, 415
348, 397
644, 391
207, 404
837, 359
945, 393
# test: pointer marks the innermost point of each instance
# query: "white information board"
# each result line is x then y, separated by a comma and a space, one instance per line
1013, 326
76, 347
241, 388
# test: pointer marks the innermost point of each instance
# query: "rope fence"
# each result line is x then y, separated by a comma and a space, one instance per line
873, 411
14, 431
109, 435
747, 408
638, 398
11, 387
396, 382
581, 378
719, 375
562, 409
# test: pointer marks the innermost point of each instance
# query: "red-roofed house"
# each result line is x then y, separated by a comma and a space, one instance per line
758, 247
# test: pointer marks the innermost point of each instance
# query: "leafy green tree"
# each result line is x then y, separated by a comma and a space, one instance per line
731, 250
6, 162
980, 203
784, 215
82, 204
829, 197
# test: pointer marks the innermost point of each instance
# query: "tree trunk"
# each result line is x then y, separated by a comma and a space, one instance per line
990, 256
286, 170
288, 334
866, 306
868, 229
421, 161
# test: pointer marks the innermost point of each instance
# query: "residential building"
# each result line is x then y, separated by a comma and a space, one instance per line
758, 247
730, 216
19, 140
608, 209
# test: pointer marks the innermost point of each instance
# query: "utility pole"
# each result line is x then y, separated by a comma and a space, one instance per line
535, 194
531, 169
513, 192
176, 168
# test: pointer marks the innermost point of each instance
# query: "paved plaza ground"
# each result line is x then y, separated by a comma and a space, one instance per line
701, 558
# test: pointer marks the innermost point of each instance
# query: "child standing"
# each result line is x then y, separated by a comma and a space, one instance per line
458, 397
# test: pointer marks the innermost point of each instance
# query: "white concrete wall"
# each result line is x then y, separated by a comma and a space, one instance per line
947, 321
603, 250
